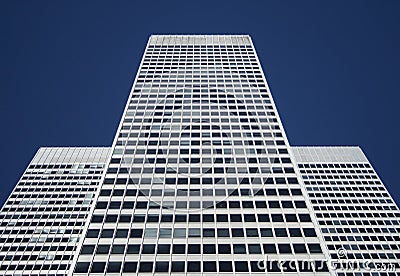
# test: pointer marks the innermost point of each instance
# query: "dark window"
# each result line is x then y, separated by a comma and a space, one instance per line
92, 233
299, 248
146, 267
309, 232
148, 249
118, 249
136, 233
208, 232
82, 267
209, 266
237, 232
241, 266
251, 232
107, 233
194, 266
255, 266
284, 248
178, 267
122, 233
223, 232
236, 218
277, 218
208, 218
162, 266
314, 248
98, 267
209, 249
125, 218
225, 266
305, 218
254, 249
249, 218
163, 249
87, 249
194, 218
178, 249
111, 218
263, 218
133, 249
130, 267
291, 217
280, 232
224, 248
294, 232
194, 248
102, 249
269, 248
114, 267
239, 249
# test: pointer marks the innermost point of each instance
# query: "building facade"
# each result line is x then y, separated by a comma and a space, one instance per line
201, 179
358, 217
43, 219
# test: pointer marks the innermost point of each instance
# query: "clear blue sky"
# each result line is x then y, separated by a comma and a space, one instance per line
66, 68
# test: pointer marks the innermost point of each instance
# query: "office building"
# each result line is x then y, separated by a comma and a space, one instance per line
201, 179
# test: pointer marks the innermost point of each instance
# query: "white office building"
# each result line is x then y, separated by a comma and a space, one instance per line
201, 180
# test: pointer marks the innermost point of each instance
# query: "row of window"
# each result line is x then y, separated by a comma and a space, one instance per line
31, 248
206, 180
298, 204
66, 166
167, 64
297, 248
370, 247
205, 266
198, 232
359, 201
47, 177
37, 267
155, 142
46, 223
158, 204
333, 165
236, 48
357, 215
347, 188
62, 186
204, 165
210, 192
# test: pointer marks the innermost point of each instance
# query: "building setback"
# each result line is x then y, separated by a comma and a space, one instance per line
200, 179
43, 219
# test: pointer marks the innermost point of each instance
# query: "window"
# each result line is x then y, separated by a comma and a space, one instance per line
98, 267
130, 267
82, 267
145, 267
103, 249
209, 266
241, 266
178, 266
162, 267
114, 267
225, 266
87, 249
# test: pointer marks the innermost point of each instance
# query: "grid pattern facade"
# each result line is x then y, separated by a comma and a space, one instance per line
200, 179
360, 221
43, 219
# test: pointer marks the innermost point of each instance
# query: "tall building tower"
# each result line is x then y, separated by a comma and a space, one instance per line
201, 179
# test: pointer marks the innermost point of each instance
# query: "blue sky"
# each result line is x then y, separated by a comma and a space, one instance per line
67, 67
